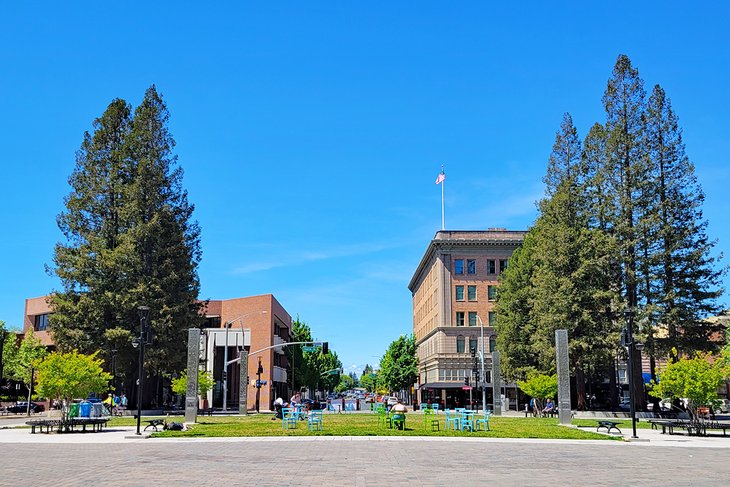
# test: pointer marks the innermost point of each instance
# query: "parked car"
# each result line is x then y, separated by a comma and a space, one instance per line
723, 405
625, 404
22, 407
313, 404
392, 400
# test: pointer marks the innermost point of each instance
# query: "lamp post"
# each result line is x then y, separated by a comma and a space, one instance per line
145, 338
483, 377
627, 341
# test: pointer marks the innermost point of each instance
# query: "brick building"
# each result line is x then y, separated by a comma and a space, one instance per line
266, 323
453, 292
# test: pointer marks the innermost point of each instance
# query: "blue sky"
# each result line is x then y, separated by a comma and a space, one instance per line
311, 133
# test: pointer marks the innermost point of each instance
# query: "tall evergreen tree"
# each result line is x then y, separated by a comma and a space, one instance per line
684, 284
515, 321
626, 168
130, 241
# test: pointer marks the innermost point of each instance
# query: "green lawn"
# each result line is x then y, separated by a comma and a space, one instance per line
367, 425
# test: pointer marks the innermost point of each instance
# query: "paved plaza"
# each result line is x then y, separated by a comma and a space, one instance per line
113, 458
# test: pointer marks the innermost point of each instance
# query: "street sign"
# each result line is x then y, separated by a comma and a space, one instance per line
309, 348
465, 388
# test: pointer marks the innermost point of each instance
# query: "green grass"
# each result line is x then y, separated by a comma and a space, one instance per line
622, 423
367, 425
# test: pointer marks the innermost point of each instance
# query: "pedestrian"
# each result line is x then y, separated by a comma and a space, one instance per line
122, 404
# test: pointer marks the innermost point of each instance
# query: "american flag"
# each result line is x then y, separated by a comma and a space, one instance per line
441, 177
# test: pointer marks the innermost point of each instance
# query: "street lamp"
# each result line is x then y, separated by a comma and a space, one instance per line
228, 324
114, 372
627, 341
145, 338
483, 377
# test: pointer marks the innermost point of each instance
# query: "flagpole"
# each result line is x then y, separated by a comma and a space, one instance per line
443, 183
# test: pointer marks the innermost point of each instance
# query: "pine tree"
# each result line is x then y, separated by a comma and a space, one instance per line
684, 284
130, 242
514, 323
624, 173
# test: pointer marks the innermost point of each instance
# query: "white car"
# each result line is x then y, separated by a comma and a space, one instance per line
392, 400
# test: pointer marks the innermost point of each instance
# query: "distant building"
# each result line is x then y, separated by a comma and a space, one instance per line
266, 323
454, 289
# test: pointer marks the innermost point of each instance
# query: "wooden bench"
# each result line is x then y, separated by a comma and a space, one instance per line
153, 423
208, 411
609, 425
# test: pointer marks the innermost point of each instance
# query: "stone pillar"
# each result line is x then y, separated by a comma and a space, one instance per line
496, 385
191, 392
243, 383
561, 359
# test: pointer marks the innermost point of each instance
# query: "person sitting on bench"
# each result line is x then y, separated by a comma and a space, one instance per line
549, 407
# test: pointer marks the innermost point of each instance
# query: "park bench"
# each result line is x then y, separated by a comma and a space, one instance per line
48, 424
96, 423
609, 425
208, 411
154, 423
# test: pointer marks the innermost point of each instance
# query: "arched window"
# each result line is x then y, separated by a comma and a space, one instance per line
460, 344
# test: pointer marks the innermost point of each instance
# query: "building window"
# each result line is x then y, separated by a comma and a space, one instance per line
212, 321
459, 318
491, 293
492, 343
472, 344
460, 344
502, 265
472, 318
471, 293
459, 266
491, 266
460, 293
492, 318
471, 266
41, 322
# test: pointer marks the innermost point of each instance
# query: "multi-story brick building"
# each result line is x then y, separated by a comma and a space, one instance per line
453, 292
267, 323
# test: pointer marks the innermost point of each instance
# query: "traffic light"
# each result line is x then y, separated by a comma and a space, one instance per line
466, 381
325, 348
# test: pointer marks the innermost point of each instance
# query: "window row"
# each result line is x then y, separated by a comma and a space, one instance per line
473, 318
474, 344
471, 293
460, 374
471, 266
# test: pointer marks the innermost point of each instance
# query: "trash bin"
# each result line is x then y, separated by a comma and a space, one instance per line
85, 409
97, 410
73, 410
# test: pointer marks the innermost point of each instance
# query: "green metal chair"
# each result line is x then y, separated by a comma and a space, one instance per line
398, 421
384, 418
430, 420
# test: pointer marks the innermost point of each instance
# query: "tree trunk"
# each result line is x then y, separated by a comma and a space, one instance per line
580, 387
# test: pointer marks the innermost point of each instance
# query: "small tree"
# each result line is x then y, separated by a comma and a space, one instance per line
205, 383
695, 379
68, 375
22, 361
539, 387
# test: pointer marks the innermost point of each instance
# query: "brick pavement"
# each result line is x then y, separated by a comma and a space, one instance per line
374, 461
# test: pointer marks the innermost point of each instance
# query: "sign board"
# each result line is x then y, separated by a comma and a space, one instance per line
465, 388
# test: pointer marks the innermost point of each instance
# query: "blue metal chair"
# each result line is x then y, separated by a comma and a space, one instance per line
423, 406
314, 420
452, 420
288, 418
484, 421
435, 407
467, 420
